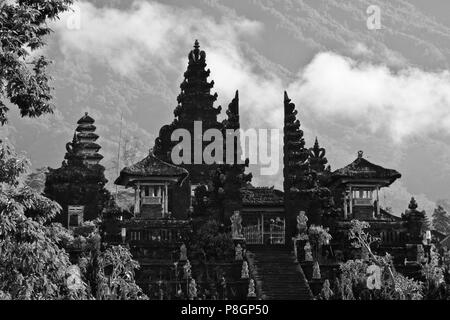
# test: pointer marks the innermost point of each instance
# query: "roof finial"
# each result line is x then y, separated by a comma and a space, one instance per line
85, 113
360, 154
196, 44
412, 204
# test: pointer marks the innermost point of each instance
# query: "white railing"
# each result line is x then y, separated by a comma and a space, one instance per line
252, 234
362, 202
277, 234
151, 200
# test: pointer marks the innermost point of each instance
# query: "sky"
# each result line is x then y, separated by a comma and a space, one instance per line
384, 91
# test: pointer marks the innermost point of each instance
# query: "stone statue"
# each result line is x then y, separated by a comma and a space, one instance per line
183, 252
187, 270
192, 289
420, 253
302, 219
308, 252
326, 293
244, 271
238, 253
236, 225
73, 281
251, 289
316, 271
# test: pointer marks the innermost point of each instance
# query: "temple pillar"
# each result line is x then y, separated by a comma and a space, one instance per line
351, 202
137, 198
378, 202
166, 199
345, 204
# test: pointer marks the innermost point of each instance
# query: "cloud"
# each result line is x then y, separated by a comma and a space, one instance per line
146, 33
403, 103
375, 98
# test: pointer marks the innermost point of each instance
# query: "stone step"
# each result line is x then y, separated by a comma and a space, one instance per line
280, 277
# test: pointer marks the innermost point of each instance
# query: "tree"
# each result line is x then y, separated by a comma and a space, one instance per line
441, 220
33, 263
36, 179
394, 285
318, 236
23, 78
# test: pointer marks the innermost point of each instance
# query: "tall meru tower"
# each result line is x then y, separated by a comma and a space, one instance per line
196, 103
79, 184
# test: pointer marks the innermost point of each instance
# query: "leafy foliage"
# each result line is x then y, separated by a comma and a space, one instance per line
211, 242
318, 236
441, 220
32, 262
23, 78
115, 279
352, 282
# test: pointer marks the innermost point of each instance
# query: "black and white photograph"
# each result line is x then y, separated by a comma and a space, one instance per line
241, 151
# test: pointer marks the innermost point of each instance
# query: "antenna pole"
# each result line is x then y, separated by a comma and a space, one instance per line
118, 150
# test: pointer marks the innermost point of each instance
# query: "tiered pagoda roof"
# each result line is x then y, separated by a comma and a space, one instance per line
195, 102
149, 167
83, 148
362, 169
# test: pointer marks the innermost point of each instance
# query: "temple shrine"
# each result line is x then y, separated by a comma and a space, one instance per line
79, 184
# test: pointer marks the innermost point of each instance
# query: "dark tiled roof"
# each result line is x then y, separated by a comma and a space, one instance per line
86, 119
85, 127
385, 215
151, 166
88, 145
87, 135
361, 168
261, 196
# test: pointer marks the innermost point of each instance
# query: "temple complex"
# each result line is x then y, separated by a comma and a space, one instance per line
204, 224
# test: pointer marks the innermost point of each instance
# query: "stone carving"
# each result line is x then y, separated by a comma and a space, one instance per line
183, 252
239, 254
236, 225
302, 227
374, 277
316, 271
244, 271
73, 281
251, 289
308, 252
326, 293
420, 253
192, 289
187, 270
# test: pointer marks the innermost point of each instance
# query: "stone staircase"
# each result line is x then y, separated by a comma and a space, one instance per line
277, 275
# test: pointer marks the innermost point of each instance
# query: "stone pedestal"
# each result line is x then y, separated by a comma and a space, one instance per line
240, 241
300, 249
307, 267
316, 285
